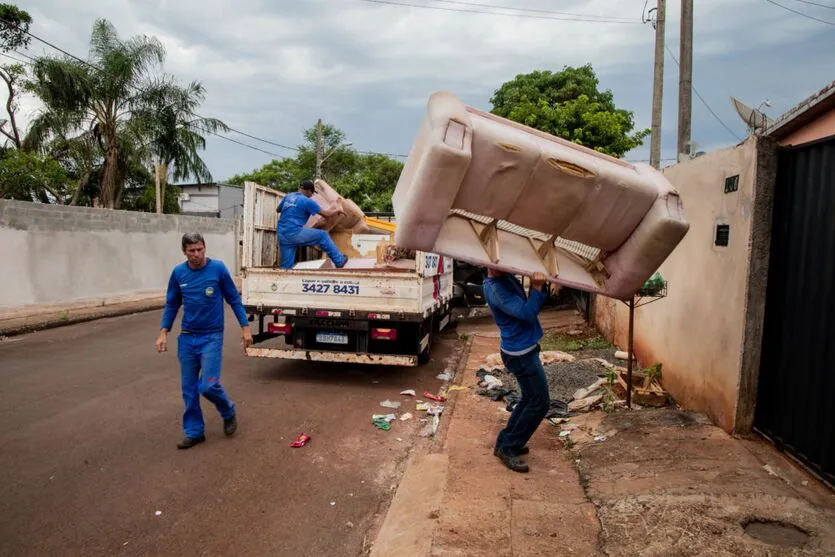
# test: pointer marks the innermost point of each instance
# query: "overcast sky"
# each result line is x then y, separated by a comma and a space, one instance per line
272, 68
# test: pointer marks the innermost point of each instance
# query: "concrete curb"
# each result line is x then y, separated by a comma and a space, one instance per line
408, 528
46, 317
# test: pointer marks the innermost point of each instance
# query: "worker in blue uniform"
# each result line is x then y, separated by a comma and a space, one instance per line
296, 208
201, 285
517, 317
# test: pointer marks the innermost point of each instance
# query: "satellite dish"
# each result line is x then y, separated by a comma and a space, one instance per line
753, 117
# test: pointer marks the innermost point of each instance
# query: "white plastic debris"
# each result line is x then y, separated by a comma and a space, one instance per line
599, 438
158, 513
565, 433
333, 503
390, 404
386, 417
443, 376
406, 416
408, 392
491, 382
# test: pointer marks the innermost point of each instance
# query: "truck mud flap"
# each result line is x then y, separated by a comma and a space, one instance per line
338, 357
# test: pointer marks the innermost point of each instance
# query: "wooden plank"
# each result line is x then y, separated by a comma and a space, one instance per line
489, 239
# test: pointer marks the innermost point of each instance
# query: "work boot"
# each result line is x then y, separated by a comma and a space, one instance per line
230, 426
512, 462
189, 442
523, 451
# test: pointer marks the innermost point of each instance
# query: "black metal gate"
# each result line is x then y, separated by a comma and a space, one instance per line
796, 394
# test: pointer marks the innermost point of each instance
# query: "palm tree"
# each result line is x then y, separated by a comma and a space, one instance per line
175, 132
99, 96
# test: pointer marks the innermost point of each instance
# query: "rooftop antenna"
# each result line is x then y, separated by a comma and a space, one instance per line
754, 118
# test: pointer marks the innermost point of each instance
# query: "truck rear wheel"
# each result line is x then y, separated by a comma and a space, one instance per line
429, 329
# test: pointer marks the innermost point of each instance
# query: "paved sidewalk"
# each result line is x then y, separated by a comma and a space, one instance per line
490, 510
662, 482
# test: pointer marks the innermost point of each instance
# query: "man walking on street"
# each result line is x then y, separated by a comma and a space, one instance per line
201, 285
517, 316
296, 208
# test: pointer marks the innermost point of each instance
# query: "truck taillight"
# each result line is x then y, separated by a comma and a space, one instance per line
280, 328
383, 334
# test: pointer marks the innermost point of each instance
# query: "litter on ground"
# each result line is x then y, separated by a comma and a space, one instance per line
300, 441
408, 392
390, 404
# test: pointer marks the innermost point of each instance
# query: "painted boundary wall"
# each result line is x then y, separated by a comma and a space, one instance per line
52, 254
707, 333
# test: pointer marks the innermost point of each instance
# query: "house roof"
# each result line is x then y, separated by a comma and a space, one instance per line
195, 184
809, 109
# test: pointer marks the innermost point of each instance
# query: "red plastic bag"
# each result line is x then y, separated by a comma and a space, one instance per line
436, 398
301, 440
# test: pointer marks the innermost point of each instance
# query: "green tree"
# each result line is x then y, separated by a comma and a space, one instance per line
100, 96
14, 25
367, 179
569, 104
30, 177
175, 133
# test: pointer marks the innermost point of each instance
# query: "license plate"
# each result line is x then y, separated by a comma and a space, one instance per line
331, 338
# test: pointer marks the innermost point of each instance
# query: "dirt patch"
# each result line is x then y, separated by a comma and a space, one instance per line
776, 533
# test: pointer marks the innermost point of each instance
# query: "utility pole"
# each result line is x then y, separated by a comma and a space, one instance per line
685, 80
658, 85
320, 148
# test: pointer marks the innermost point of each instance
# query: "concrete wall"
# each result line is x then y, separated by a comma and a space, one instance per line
56, 254
820, 127
705, 332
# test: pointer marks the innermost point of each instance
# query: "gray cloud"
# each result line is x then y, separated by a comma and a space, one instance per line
272, 68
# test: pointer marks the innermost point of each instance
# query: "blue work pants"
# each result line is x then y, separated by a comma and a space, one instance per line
307, 237
200, 358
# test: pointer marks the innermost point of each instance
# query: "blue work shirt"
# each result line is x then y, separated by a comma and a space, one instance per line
295, 208
201, 293
516, 315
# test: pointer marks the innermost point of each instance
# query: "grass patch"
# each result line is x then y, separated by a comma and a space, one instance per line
568, 343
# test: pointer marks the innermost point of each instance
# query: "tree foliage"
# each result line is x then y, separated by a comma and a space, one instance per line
570, 105
14, 28
367, 179
111, 119
31, 177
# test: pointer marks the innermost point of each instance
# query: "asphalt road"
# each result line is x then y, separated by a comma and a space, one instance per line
90, 418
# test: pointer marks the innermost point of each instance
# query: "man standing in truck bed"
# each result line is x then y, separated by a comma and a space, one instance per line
296, 208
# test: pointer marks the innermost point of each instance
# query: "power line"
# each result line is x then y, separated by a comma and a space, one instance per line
486, 12
245, 144
827, 6
264, 140
704, 102
531, 10
801, 13
24, 62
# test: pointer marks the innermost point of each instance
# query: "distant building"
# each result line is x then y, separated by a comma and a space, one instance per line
225, 201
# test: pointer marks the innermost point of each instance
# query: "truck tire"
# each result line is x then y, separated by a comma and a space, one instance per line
424, 356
